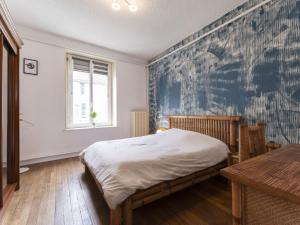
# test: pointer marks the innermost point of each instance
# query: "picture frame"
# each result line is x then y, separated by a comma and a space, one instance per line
30, 66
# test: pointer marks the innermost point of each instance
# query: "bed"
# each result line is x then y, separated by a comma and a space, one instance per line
136, 171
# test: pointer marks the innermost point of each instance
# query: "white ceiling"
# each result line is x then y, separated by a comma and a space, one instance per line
156, 26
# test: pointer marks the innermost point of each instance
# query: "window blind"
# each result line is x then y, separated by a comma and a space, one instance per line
81, 65
100, 68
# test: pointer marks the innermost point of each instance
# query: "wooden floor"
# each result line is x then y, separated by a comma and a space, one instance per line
58, 193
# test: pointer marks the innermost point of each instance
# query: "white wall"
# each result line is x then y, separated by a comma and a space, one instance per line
43, 102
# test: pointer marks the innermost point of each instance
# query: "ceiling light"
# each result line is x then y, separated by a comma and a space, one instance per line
116, 5
130, 3
133, 8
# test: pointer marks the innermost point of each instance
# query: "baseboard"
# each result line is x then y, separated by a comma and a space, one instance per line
48, 159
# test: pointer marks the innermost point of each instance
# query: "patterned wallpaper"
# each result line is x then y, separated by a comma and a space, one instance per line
250, 67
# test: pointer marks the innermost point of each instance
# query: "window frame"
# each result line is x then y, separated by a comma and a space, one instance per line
69, 92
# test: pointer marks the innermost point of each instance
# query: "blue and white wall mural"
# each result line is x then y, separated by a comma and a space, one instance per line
250, 67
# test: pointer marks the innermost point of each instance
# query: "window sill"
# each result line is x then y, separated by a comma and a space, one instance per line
89, 128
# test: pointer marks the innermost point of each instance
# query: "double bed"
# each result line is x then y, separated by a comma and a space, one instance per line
136, 171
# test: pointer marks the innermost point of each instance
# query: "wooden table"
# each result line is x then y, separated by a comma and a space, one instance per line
266, 189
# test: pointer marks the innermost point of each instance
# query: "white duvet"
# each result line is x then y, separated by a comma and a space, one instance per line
126, 165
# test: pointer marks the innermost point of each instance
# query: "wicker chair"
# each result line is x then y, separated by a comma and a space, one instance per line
253, 147
271, 145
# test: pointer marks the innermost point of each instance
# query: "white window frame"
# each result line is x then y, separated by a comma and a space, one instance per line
69, 97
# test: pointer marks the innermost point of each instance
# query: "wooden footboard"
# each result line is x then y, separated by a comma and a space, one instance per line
166, 188
122, 215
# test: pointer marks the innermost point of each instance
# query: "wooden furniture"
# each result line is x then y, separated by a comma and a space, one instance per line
251, 143
272, 146
223, 128
10, 44
265, 189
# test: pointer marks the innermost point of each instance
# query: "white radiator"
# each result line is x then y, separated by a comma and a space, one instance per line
139, 123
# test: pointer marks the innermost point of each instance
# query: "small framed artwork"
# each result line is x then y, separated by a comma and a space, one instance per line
30, 66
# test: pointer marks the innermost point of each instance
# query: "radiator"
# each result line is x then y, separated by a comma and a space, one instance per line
139, 123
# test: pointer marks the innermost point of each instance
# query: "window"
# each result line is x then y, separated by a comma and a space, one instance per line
83, 110
89, 90
82, 88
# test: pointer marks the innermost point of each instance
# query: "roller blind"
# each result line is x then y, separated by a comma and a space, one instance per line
100, 68
81, 65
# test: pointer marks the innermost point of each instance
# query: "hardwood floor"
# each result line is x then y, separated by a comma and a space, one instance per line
59, 193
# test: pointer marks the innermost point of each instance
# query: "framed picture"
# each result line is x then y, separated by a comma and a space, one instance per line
30, 66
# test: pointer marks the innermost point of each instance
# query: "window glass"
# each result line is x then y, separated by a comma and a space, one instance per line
90, 92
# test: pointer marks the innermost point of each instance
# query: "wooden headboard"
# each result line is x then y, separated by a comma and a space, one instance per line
224, 128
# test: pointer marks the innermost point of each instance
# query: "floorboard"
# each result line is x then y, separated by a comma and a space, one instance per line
59, 193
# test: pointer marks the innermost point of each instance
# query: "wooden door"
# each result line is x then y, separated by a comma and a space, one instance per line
9, 120
9, 107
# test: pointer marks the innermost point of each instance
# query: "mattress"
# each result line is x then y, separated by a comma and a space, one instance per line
124, 166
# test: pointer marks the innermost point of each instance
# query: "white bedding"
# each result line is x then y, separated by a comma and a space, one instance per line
126, 165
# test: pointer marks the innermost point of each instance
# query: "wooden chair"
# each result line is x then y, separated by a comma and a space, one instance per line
251, 143
271, 145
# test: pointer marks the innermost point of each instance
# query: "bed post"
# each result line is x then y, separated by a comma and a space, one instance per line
127, 212
116, 216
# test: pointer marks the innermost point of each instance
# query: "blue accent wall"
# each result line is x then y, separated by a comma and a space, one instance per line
250, 67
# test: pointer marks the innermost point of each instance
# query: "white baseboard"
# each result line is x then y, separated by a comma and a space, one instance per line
48, 159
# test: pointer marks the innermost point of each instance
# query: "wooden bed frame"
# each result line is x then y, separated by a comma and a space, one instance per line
224, 128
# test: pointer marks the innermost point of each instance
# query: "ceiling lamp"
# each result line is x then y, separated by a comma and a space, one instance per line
116, 5
133, 8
